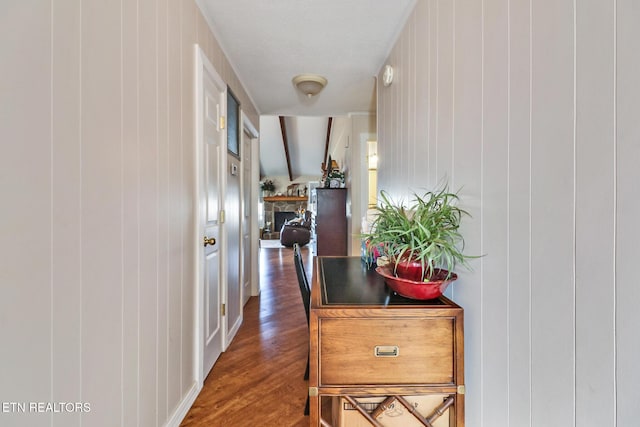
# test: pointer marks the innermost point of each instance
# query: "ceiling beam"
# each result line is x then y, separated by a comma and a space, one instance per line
326, 145
283, 129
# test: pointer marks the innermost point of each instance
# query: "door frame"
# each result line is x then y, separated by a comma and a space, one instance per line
254, 239
203, 64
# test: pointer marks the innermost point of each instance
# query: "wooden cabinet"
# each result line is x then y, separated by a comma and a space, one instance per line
331, 221
369, 345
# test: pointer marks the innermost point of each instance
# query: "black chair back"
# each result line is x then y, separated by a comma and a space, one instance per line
303, 282
305, 292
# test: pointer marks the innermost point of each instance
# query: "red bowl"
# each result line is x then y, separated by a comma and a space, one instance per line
416, 290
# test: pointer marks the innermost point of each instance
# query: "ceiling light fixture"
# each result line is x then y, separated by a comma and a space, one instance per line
309, 84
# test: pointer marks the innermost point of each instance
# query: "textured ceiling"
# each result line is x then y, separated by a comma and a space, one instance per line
268, 42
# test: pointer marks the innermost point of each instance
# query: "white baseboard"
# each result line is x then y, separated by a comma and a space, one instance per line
182, 409
234, 331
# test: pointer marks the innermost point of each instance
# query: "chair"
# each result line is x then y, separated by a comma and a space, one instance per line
296, 231
305, 293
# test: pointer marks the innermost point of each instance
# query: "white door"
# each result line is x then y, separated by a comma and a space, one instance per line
212, 109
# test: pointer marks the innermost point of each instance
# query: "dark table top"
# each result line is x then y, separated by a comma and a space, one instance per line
349, 281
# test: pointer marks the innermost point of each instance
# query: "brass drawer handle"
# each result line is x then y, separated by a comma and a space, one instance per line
386, 351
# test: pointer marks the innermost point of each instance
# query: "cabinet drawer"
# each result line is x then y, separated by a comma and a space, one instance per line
387, 351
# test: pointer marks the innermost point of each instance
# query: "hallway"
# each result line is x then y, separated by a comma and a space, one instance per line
259, 381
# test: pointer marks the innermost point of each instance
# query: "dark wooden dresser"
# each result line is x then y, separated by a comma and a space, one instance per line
377, 358
331, 221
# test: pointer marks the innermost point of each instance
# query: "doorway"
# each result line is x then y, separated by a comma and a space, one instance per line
250, 233
225, 219
210, 141
372, 173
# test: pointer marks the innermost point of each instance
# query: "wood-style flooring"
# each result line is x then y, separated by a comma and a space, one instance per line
259, 381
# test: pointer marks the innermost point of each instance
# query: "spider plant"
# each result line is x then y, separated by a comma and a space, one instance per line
426, 232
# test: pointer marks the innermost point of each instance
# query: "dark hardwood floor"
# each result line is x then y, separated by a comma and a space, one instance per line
259, 381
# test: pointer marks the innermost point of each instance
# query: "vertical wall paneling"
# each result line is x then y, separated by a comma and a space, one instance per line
393, 153
433, 90
26, 214
466, 178
627, 209
420, 83
187, 157
543, 100
401, 101
65, 199
148, 207
393, 105
202, 31
130, 151
444, 148
394, 133
552, 223
409, 102
595, 363
101, 210
494, 205
162, 121
98, 205
380, 106
519, 148
174, 235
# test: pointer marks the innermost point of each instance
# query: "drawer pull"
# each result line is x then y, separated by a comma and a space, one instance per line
387, 351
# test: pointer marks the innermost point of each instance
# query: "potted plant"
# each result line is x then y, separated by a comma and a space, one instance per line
335, 179
421, 242
268, 187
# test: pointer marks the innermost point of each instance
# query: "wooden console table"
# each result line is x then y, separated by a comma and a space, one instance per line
368, 344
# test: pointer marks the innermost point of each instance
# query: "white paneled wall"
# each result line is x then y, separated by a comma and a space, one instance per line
530, 108
595, 221
96, 224
624, 150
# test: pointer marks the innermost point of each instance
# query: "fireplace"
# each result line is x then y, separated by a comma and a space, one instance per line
281, 217
277, 210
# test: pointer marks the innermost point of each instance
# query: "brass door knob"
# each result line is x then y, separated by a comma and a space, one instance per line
209, 241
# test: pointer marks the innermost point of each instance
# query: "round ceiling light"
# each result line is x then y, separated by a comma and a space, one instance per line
309, 84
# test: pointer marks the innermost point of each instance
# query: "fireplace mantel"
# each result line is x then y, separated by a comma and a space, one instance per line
286, 199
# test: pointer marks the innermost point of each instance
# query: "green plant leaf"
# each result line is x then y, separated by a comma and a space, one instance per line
426, 231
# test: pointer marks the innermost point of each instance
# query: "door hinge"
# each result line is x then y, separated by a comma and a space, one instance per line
224, 309
222, 216
222, 122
